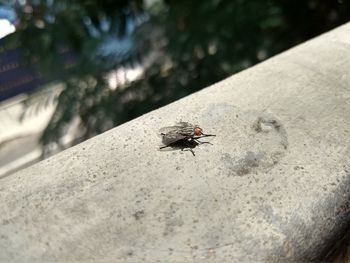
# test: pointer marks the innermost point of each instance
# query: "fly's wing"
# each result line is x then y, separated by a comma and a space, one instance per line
175, 133
172, 137
166, 130
181, 128
184, 124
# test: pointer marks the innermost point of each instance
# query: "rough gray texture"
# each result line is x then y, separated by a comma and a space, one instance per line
273, 186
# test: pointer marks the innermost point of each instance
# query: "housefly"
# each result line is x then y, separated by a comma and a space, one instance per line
183, 135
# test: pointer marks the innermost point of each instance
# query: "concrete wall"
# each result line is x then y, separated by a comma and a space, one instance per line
273, 186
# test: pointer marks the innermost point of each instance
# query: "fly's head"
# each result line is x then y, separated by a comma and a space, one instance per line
197, 131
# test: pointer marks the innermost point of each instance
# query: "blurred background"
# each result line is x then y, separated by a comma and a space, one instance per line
70, 70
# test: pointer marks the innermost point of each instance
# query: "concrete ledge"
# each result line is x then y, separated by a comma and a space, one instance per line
274, 186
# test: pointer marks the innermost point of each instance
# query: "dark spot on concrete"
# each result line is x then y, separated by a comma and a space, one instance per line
244, 165
251, 159
267, 124
172, 219
138, 214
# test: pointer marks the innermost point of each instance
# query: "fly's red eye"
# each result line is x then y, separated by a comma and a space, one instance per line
197, 131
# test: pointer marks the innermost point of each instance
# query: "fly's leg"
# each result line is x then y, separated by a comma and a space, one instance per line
192, 151
189, 148
199, 142
196, 138
162, 147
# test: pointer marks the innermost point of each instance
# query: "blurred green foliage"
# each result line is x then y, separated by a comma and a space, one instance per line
183, 46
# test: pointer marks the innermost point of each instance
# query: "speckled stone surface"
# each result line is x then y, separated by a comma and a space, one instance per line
273, 186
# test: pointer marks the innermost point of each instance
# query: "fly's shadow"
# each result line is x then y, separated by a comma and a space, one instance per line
183, 145
183, 136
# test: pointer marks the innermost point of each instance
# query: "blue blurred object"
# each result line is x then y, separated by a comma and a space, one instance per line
8, 13
14, 77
